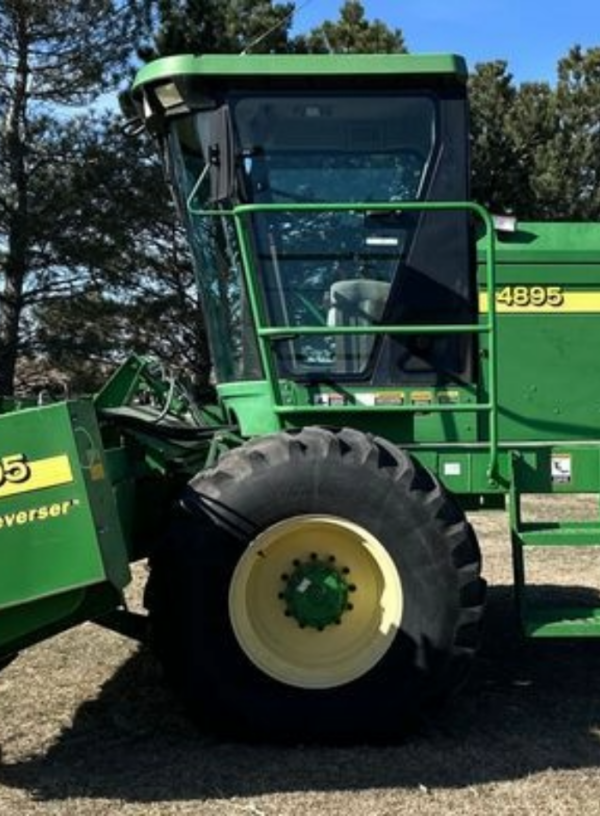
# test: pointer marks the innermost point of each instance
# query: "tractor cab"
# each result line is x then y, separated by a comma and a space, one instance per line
322, 197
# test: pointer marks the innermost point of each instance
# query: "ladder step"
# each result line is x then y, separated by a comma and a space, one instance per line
560, 534
561, 622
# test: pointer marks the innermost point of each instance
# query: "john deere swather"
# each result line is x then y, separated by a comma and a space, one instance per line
384, 362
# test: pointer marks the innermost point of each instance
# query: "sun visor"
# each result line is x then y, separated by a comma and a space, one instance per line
221, 155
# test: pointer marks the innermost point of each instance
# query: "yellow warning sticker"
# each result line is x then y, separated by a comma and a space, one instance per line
421, 397
18, 475
390, 398
448, 397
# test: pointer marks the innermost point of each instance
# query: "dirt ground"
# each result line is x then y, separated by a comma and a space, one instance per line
87, 728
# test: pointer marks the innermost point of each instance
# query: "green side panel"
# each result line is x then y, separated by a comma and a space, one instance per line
106, 523
59, 530
548, 381
562, 622
539, 243
33, 621
560, 534
250, 405
20, 621
219, 65
548, 319
401, 412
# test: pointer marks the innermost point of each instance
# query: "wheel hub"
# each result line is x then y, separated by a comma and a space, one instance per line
293, 584
316, 592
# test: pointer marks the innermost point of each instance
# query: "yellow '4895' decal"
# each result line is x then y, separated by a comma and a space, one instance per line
536, 296
524, 299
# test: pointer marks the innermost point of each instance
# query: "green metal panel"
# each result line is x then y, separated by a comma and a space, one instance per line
99, 489
559, 534
251, 406
559, 468
21, 622
58, 527
562, 622
539, 242
548, 319
289, 65
547, 383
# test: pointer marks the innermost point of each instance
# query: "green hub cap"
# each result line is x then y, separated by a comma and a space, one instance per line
316, 593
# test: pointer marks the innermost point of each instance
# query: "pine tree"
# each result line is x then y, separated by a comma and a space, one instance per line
352, 33
569, 181
218, 26
492, 96
54, 56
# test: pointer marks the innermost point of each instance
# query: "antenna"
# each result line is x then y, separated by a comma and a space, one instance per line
273, 28
326, 40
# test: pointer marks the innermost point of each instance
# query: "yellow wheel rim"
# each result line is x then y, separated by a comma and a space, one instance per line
339, 633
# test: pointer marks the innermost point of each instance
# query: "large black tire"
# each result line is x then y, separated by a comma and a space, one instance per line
228, 619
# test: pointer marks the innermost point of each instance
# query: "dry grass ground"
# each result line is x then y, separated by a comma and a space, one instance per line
87, 728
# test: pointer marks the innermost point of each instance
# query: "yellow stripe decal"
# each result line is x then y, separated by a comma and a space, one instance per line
570, 302
50, 472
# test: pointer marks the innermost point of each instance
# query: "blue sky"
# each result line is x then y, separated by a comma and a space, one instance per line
531, 35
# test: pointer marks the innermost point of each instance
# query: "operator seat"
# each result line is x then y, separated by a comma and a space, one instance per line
356, 302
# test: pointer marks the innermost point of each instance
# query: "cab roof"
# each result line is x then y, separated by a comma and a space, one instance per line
296, 65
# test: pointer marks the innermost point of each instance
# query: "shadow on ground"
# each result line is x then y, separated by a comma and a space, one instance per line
528, 707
